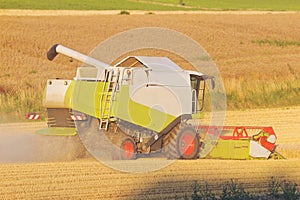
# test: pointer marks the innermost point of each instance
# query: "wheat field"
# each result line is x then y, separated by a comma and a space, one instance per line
257, 54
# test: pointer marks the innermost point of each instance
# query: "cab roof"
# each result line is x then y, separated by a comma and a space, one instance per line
154, 63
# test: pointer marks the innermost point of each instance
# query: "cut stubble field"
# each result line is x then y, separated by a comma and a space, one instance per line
44, 176
89, 179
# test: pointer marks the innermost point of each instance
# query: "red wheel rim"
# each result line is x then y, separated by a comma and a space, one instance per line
128, 149
187, 144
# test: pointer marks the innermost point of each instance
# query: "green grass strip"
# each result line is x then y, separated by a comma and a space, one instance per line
271, 5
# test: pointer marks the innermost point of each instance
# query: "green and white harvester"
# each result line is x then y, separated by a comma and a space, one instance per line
144, 105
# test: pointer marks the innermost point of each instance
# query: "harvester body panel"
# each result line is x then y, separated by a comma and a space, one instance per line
58, 93
147, 97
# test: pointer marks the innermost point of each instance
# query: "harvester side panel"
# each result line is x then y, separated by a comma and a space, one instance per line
57, 93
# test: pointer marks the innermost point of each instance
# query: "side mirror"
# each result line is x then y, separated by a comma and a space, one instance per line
213, 84
212, 79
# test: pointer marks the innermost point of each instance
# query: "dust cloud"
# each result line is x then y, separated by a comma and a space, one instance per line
19, 145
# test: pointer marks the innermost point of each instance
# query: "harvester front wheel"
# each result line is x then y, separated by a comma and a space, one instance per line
128, 149
185, 145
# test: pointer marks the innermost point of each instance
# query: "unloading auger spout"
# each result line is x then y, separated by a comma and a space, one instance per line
57, 48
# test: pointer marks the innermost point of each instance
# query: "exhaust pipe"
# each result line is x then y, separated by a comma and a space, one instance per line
57, 48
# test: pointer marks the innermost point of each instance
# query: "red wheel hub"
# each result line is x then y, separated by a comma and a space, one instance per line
187, 145
128, 148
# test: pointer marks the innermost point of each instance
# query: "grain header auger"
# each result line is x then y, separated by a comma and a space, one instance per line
142, 105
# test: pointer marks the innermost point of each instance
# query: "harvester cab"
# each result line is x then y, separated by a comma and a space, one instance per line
142, 104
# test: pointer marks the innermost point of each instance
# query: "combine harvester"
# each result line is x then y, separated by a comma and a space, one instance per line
145, 105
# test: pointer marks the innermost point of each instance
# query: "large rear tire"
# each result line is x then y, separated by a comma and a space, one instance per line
184, 145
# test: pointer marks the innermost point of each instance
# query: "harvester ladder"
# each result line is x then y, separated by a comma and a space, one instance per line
107, 97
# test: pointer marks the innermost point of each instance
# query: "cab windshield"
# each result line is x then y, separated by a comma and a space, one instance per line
198, 88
